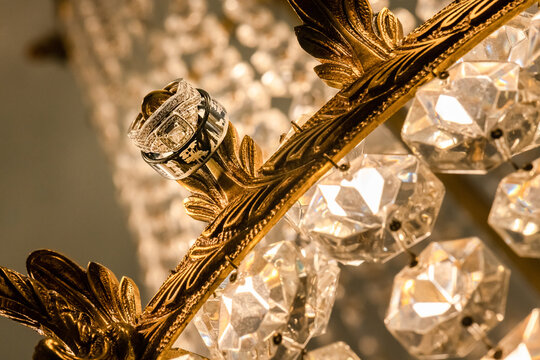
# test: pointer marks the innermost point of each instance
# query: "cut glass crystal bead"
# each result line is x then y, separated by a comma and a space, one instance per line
522, 343
509, 43
370, 213
451, 122
453, 281
336, 351
299, 209
515, 213
281, 296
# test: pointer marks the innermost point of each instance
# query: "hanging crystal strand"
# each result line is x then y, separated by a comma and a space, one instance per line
457, 289
280, 296
522, 342
515, 213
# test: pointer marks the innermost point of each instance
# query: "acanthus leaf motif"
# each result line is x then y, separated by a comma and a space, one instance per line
250, 156
85, 314
345, 36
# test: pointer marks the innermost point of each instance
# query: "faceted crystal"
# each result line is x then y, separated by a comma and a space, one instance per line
336, 351
381, 205
299, 209
279, 291
451, 121
522, 343
533, 50
515, 213
508, 43
452, 280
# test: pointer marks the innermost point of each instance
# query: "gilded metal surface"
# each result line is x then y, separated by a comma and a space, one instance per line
377, 73
346, 37
85, 314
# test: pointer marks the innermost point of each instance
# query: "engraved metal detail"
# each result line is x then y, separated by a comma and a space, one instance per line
377, 72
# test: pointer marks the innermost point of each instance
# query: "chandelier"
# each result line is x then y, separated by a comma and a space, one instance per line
347, 205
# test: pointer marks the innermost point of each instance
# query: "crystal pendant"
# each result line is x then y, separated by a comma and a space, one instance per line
371, 212
299, 209
533, 50
515, 213
509, 43
280, 297
457, 289
336, 351
522, 343
457, 125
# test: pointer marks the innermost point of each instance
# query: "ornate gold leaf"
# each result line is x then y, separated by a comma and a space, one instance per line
389, 28
341, 34
88, 314
250, 156
85, 314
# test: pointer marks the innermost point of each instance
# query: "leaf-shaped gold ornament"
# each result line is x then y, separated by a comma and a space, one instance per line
345, 37
86, 314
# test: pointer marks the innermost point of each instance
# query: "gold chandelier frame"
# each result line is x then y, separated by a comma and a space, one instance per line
89, 314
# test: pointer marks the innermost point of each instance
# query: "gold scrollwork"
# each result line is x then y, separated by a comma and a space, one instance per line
88, 314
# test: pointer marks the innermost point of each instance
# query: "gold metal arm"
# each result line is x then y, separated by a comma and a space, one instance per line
89, 315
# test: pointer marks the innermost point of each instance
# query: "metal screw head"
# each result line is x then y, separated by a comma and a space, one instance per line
395, 225
496, 134
467, 321
277, 339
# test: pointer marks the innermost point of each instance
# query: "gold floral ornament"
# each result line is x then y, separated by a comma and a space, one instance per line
84, 314
90, 315
346, 37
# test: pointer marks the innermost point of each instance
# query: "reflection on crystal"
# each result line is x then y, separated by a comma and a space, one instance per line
297, 212
533, 50
508, 43
453, 280
522, 343
353, 215
336, 351
451, 121
280, 290
515, 213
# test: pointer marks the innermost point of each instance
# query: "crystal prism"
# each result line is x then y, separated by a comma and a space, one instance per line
451, 122
299, 209
515, 213
533, 49
522, 343
336, 351
452, 281
370, 213
280, 297
509, 43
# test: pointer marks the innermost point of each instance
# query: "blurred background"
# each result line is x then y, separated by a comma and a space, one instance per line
55, 183
71, 182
